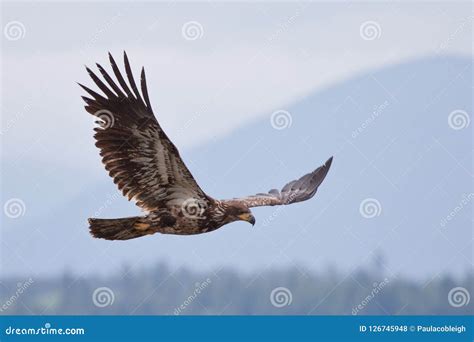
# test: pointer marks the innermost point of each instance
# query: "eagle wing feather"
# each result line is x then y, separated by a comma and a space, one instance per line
137, 153
295, 191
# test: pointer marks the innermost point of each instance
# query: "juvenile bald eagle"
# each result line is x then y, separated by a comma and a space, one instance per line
147, 167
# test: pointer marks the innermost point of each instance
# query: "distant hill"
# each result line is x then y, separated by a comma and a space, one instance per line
389, 134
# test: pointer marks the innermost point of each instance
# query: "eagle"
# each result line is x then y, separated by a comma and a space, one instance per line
147, 168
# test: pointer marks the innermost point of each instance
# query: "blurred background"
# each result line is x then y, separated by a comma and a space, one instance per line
253, 95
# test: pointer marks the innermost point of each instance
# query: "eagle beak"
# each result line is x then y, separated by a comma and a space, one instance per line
247, 217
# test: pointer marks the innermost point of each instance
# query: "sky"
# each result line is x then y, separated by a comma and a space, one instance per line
213, 68
246, 59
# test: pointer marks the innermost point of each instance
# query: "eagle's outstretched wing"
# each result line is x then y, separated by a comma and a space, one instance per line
295, 191
136, 152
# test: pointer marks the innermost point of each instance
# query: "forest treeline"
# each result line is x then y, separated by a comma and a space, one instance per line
161, 290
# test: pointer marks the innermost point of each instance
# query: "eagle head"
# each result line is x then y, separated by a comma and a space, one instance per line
240, 212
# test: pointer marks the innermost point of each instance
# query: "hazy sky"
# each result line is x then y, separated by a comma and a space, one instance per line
213, 68
210, 66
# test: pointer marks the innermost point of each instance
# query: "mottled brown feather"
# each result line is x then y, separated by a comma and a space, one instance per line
136, 152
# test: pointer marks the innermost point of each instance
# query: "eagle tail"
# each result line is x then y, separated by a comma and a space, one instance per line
120, 228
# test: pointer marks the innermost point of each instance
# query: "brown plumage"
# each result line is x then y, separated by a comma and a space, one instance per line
147, 167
